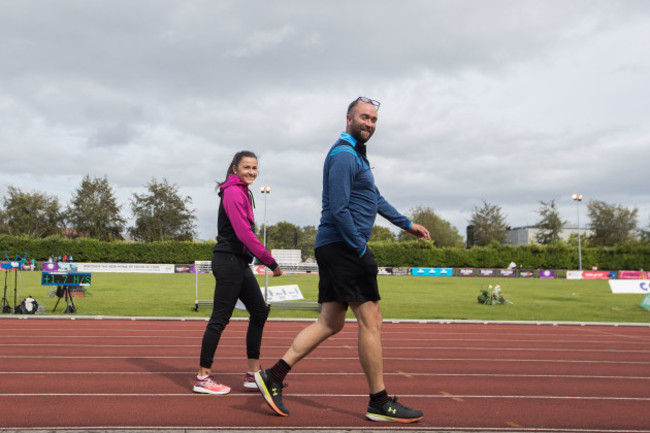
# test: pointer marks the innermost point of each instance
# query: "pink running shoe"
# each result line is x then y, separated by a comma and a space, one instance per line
210, 386
249, 381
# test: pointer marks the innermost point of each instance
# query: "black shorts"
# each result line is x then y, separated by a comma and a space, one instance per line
345, 277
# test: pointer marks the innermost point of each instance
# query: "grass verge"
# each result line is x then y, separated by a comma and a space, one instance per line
403, 297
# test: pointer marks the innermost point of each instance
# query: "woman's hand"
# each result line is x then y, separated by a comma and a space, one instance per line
278, 271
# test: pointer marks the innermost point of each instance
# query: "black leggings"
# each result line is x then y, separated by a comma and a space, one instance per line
234, 280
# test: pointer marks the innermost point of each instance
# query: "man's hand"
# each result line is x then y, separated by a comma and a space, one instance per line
277, 271
419, 232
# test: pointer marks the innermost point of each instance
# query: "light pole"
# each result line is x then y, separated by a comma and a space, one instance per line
266, 190
578, 198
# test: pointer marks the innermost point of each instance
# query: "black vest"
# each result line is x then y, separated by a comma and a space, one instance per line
227, 240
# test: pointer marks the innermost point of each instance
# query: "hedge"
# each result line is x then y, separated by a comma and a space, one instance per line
407, 254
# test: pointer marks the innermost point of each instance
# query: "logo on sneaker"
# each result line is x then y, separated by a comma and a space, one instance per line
392, 410
275, 391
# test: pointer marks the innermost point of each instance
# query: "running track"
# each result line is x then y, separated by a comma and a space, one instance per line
107, 374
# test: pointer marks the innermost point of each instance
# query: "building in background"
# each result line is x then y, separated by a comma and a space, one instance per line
528, 234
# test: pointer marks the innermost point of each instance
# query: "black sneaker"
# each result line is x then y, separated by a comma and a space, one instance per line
271, 391
392, 411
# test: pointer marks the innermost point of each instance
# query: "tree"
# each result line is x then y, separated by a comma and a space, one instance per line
381, 233
443, 234
550, 224
162, 214
487, 225
611, 224
32, 214
94, 211
645, 234
283, 235
307, 240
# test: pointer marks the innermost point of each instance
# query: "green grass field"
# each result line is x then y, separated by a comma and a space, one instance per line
403, 297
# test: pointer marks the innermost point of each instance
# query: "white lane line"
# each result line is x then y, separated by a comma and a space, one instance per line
303, 373
248, 394
352, 358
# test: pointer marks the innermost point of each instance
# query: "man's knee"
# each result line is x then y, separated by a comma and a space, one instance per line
332, 317
368, 315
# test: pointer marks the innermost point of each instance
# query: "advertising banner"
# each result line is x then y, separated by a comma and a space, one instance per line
629, 286
547, 273
598, 275
145, 268
466, 272
390, 270
507, 272
50, 266
633, 275
184, 269
432, 272
526, 273
574, 275
486, 272
590, 275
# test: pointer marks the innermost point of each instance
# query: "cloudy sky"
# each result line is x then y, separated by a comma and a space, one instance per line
507, 101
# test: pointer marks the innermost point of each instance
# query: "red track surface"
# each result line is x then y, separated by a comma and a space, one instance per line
137, 374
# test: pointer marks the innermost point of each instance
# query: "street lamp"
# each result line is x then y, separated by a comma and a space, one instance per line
266, 190
578, 198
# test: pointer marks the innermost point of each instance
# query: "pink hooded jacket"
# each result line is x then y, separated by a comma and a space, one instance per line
236, 202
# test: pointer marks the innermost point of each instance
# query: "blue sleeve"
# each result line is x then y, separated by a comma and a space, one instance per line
342, 171
387, 211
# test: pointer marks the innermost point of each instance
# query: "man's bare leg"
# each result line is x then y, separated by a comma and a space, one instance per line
371, 355
330, 321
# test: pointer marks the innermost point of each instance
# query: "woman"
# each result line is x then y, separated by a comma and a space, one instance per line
236, 246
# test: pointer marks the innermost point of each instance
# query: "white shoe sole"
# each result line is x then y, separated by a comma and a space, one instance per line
201, 390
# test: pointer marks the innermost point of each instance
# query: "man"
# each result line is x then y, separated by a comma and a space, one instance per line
347, 268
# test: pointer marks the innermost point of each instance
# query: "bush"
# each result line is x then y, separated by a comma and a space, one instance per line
407, 254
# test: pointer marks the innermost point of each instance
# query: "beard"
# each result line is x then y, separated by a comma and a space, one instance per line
361, 134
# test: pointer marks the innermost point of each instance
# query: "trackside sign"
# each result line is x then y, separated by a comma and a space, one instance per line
630, 286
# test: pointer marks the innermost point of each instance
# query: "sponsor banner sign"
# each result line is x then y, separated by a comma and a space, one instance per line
507, 272
278, 294
144, 268
574, 275
466, 272
598, 275
486, 272
393, 271
629, 286
590, 275
183, 269
67, 267
50, 266
432, 272
526, 273
547, 273
633, 275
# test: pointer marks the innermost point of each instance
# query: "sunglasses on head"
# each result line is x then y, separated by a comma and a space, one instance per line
369, 101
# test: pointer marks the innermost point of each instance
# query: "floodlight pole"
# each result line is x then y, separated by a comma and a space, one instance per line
578, 198
266, 190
